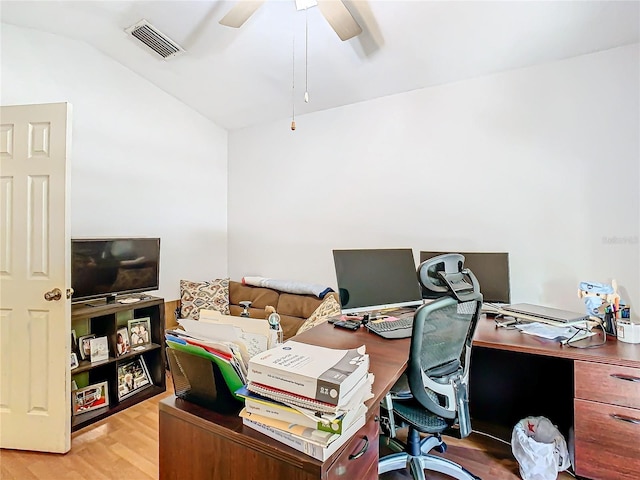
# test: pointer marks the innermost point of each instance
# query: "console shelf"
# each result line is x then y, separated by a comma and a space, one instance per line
104, 319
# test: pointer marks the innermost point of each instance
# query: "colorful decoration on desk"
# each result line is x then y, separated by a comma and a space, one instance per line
603, 302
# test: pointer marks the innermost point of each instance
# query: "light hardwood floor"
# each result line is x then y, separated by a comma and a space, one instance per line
122, 446
125, 446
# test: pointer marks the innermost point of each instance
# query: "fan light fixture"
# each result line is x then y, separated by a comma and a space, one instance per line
304, 4
334, 12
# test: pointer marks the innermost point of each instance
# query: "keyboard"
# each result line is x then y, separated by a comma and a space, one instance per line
399, 328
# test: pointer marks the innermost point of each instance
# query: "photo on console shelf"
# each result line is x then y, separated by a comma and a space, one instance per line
132, 377
140, 331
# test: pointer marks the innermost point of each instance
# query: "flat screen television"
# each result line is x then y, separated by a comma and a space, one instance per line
107, 267
490, 268
376, 279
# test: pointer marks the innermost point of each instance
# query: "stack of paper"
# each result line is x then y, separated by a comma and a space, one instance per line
308, 397
551, 332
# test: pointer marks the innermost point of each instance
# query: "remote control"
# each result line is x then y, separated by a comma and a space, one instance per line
348, 324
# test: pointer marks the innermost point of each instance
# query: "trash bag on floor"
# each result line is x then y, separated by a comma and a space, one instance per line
539, 448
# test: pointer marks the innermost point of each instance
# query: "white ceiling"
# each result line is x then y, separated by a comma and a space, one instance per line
241, 77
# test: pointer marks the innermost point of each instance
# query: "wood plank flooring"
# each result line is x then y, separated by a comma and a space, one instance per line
485, 457
122, 446
125, 446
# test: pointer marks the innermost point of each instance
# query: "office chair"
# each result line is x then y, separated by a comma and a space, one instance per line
432, 397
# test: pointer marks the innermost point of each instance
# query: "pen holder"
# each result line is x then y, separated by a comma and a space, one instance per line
200, 381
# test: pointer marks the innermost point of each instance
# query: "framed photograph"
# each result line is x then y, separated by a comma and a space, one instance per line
122, 342
133, 376
84, 346
99, 349
74, 342
90, 398
74, 360
140, 331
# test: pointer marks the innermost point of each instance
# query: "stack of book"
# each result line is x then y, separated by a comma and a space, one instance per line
308, 397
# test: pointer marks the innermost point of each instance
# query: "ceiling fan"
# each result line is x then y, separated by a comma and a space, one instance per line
333, 11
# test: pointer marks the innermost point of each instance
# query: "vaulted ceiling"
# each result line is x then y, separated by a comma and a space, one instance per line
240, 77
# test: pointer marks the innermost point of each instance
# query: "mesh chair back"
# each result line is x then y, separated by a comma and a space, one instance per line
441, 350
446, 332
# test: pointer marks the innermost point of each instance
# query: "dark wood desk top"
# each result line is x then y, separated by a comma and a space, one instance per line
388, 360
613, 352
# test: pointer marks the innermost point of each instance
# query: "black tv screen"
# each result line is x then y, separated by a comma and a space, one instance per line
376, 279
490, 268
106, 267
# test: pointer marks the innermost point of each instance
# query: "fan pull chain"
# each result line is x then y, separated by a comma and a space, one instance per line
306, 55
293, 83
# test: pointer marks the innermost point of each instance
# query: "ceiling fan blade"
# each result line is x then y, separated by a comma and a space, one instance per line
240, 13
339, 18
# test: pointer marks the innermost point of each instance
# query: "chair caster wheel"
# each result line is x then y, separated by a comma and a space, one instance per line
441, 448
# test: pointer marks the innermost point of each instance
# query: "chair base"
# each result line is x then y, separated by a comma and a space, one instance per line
418, 464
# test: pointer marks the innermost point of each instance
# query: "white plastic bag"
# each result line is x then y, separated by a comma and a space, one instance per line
540, 449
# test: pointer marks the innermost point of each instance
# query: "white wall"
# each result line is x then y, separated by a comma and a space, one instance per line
142, 163
541, 162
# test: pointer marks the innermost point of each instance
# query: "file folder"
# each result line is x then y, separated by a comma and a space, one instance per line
200, 380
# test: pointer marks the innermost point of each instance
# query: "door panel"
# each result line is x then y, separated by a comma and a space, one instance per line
34, 259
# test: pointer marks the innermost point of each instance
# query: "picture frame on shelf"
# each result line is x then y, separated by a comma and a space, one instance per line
123, 345
84, 346
74, 360
139, 332
99, 347
74, 342
133, 376
90, 398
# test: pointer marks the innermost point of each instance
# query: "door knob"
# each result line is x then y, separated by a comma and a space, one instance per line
55, 294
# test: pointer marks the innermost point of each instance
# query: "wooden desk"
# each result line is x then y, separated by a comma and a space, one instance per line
198, 443
565, 384
596, 390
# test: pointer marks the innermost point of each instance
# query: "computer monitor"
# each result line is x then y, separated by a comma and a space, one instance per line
490, 268
376, 279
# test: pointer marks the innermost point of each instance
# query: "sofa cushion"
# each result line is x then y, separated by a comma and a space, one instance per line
294, 309
258, 296
294, 305
328, 308
290, 325
212, 295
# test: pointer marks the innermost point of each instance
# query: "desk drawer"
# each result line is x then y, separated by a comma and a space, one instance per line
359, 455
607, 383
607, 447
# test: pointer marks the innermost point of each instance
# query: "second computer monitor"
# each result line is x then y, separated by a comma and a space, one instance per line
490, 268
376, 279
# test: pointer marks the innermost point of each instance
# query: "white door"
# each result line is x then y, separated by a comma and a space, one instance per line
35, 263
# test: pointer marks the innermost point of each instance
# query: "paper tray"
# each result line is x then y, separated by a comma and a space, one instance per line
200, 381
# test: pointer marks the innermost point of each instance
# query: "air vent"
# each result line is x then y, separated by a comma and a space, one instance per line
154, 39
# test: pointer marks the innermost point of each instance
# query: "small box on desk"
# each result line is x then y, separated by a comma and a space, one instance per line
200, 381
628, 332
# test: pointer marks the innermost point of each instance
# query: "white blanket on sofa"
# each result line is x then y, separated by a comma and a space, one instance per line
289, 286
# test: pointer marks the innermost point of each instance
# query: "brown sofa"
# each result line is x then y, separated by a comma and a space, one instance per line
294, 309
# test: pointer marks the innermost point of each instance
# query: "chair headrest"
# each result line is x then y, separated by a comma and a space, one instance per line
446, 275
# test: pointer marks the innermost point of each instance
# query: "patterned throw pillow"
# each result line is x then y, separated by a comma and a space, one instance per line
326, 309
213, 295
